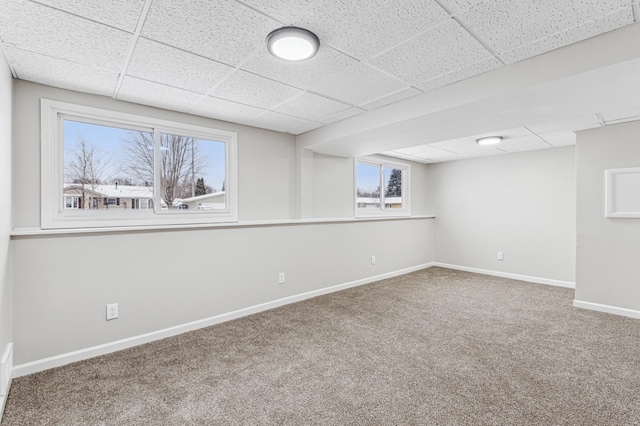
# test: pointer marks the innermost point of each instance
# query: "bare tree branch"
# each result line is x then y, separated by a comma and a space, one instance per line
181, 160
88, 167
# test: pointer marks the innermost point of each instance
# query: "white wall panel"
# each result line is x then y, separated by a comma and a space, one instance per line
165, 279
520, 204
6, 95
607, 267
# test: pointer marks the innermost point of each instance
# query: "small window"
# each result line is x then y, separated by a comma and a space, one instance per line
71, 202
104, 168
381, 188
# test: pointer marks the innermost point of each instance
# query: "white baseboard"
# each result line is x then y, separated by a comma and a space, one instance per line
537, 280
6, 376
607, 308
79, 355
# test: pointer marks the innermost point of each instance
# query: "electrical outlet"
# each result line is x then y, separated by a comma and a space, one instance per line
112, 311
281, 278
500, 256
373, 260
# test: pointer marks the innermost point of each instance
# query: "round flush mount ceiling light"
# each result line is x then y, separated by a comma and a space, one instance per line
489, 140
292, 44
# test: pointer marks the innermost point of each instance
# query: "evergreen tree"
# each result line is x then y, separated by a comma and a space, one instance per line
201, 189
394, 187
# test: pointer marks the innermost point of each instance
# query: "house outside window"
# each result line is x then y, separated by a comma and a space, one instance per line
128, 170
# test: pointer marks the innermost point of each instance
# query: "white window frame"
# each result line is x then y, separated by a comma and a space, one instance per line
55, 216
383, 211
75, 202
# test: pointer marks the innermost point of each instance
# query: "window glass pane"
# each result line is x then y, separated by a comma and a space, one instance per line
106, 168
193, 174
393, 188
368, 186
70, 202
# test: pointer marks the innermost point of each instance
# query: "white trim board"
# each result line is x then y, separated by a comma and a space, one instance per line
607, 309
82, 354
6, 376
537, 280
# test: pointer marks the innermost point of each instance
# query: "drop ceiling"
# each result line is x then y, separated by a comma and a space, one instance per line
209, 58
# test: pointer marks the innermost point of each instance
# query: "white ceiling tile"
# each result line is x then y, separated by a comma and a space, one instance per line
122, 14
226, 110
29, 26
625, 114
589, 121
167, 65
358, 84
432, 54
461, 74
457, 6
286, 11
284, 123
45, 70
414, 150
299, 74
466, 147
525, 143
223, 30
574, 34
417, 159
427, 152
157, 95
558, 139
507, 24
394, 97
342, 115
251, 89
364, 28
311, 107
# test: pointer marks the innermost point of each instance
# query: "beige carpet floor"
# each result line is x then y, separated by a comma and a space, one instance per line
435, 347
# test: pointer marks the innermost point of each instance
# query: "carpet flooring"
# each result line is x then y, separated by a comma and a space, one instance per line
434, 347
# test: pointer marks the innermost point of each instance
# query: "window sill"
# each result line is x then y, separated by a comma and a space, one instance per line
28, 232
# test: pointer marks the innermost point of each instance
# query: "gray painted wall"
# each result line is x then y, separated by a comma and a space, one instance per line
520, 204
5, 207
608, 254
333, 190
167, 278
266, 159
163, 279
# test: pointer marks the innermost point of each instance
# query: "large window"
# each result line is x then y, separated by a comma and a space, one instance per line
381, 188
105, 168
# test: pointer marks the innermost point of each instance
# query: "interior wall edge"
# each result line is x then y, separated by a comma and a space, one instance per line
6, 376
519, 277
615, 310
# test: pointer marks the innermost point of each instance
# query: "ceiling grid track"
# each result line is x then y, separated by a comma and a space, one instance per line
474, 34
538, 136
132, 46
407, 40
255, 9
226, 77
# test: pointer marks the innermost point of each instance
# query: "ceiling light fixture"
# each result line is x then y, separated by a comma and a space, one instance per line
292, 44
489, 140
